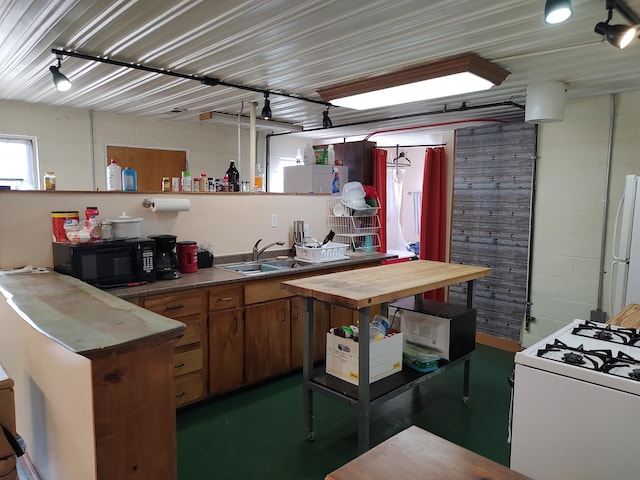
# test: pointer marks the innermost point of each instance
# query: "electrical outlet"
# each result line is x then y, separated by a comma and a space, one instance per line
274, 219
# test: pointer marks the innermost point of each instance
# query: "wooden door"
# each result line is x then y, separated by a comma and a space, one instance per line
150, 164
268, 340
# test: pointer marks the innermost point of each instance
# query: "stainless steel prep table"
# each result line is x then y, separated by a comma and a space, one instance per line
360, 290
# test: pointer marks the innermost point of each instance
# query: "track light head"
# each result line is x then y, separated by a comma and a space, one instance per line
557, 11
61, 82
326, 121
617, 35
266, 110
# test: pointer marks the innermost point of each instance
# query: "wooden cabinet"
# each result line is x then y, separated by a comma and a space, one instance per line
226, 339
190, 354
267, 340
321, 318
358, 156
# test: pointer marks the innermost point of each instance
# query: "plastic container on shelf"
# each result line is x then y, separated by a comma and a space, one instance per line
378, 328
114, 176
50, 181
204, 183
186, 181
129, 180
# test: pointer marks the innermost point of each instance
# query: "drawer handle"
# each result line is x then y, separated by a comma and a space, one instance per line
179, 365
225, 299
176, 307
180, 395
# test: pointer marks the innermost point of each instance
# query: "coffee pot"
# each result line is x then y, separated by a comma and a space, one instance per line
166, 260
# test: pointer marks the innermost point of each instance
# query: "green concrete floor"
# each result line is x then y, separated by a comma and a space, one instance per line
259, 434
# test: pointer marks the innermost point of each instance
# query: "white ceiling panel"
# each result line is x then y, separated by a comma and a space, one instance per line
297, 48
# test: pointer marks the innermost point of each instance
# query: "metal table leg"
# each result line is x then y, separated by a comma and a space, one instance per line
307, 368
364, 393
465, 384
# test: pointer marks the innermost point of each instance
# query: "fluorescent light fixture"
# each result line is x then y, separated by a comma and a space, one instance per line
445, 78
557, 11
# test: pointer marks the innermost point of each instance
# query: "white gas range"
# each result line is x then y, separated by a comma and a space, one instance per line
576, 404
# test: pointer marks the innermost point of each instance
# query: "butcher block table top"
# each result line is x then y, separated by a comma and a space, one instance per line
629, 317
416, 453
370, 286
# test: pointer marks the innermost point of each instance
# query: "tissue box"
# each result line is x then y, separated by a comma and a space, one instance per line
385, 358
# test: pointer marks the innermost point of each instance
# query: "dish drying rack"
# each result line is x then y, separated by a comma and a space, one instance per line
357, 228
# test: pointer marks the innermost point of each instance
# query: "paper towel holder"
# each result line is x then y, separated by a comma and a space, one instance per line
151, 203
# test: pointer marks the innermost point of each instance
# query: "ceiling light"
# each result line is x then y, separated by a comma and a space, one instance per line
61, 82
453, 76
618, 35
326, 121
266, 110
557, 11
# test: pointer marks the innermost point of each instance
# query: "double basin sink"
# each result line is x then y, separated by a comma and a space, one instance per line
263, 266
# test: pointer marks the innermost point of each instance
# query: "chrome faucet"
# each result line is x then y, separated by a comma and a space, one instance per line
257, 253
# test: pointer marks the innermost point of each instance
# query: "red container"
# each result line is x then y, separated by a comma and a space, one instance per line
187, 256
58, 219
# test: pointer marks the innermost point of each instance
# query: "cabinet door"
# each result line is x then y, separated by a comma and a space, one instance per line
321, 314
268, 340
226, 351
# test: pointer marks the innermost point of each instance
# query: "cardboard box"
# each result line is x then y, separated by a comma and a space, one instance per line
385, 358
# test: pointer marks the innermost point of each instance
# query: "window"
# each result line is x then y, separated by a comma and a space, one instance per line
18, 162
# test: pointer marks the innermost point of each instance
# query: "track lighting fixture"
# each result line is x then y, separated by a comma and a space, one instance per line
266, 110
618, 35
61, 82
326, 121
557, 11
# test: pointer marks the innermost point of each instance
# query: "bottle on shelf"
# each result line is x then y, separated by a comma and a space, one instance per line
204, 183
186, 181
234, 177
225, 183
114, 175
331, 155
259, 179
129, 180
309, 156
49, 181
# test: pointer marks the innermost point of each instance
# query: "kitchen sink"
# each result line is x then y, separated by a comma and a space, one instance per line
263, 266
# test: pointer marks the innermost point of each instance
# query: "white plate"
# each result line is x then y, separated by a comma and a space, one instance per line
339, 210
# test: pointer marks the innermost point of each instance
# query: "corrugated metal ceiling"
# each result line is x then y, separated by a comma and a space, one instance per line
299, 47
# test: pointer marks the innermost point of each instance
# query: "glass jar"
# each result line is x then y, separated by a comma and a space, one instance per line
49, 181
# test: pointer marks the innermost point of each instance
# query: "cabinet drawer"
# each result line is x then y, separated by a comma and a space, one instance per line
194, 331
264, 291
187, 362
225, 298
176, 305
189, 388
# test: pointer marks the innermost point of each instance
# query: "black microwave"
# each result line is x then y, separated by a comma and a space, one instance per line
107, 263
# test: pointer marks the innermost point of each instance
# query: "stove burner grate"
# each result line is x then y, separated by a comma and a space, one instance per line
623, 336
561, 352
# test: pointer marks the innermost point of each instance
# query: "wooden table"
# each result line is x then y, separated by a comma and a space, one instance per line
416, 453
360, 290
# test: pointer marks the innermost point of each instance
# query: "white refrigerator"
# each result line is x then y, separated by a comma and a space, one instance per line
625, 268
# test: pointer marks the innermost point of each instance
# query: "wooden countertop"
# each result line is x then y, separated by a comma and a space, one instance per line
210, 277
82, 318
415, 453
375, 285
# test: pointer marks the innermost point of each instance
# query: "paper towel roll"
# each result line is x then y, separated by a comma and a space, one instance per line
170, 204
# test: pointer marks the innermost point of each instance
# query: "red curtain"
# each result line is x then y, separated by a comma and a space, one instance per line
433, 222
380, 184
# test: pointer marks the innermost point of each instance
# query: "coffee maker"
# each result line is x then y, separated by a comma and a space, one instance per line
166, 260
